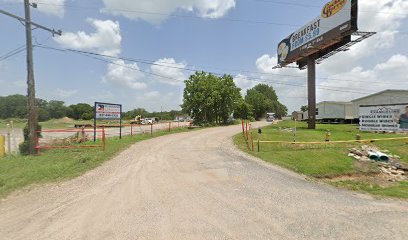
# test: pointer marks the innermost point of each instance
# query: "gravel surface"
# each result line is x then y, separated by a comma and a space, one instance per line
196, 185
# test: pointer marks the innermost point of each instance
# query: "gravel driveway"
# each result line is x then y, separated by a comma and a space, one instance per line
196, 185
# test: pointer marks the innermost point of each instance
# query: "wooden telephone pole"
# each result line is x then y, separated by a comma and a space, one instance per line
31, 104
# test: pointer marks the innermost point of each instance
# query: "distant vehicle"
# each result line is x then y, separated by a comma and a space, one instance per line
270, 117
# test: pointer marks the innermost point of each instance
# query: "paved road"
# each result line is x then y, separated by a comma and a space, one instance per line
196, 186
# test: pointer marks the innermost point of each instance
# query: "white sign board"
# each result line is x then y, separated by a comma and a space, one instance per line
384, 118
107, 111
337, 18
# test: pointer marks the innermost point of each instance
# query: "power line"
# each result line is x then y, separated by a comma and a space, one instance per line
193, 68
13, 53
95, 56
249, 21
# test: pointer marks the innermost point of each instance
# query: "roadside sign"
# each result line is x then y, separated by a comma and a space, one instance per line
384, 118
107, 111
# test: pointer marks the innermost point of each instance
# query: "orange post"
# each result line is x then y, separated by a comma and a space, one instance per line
36, 144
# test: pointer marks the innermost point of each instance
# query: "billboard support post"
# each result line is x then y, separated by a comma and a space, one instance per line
120, 127
94, 122
311, 87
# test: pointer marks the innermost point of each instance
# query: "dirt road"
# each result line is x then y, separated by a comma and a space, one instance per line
196, 186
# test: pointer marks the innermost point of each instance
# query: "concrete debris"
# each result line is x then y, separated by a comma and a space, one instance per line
392, 170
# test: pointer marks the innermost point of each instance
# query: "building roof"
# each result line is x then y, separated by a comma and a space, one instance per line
335, 102
382, 92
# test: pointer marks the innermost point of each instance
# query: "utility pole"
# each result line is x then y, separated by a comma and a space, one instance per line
31, 104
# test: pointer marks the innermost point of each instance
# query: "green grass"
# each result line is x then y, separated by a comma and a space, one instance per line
57, 165
327, 160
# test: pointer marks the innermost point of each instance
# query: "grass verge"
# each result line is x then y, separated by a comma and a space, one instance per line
59, 164
329, 162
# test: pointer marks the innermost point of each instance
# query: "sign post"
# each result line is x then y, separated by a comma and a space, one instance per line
311, 85
107, 111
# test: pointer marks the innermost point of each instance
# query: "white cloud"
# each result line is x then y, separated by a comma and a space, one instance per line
62, 93
171, 71
105, 40
244, 83
125, 75
390, 74
49, 7
152, 95
156, 11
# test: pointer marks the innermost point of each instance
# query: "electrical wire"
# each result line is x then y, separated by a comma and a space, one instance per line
97, 56
181, 16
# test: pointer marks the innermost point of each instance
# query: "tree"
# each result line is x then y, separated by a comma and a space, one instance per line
81, 111
210, 99
262, 98
57, 109
304, 108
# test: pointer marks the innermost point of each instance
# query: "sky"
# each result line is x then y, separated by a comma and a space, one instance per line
147, 48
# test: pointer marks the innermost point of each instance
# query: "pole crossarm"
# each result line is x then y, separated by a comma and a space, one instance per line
53, 31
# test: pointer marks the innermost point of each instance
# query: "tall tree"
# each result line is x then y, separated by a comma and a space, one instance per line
210, 99
263, 99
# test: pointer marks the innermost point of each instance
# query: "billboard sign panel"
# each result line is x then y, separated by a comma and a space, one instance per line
338, 19
108, 111
392, 118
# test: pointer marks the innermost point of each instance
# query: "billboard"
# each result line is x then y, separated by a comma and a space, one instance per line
329, 31
108, 111
392, 118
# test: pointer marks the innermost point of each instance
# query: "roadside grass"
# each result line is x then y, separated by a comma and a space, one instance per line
59, 164
327, 161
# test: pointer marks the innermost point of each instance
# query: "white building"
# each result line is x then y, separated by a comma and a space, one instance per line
381, 98
348, 111
334, 111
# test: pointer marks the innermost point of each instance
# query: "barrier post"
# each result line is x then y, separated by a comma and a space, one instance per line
151, 129
36, 143
2, 146
131, 129
252, 141
169, 126
242, 123
258, 145
8, 141
103, 138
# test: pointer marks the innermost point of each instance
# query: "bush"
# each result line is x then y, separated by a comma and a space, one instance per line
24, 146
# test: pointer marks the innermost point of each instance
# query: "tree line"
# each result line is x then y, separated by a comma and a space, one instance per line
210, 99
15, 106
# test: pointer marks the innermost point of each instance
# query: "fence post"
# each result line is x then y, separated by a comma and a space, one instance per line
36, 143
169, 126
151, 129
8, 141
103, 138
258, 145
131, 129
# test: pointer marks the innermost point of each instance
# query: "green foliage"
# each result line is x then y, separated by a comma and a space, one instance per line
15, 106
210, 99
82, 111
243, 110
24, 146
262, 98
304, 108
